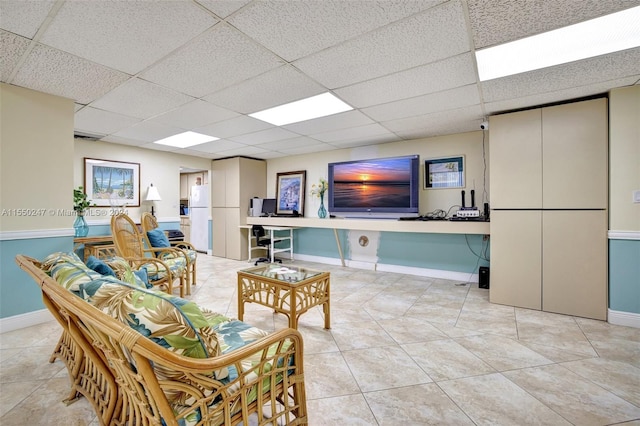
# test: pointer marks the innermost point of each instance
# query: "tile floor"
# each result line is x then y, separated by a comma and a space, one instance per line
402, 350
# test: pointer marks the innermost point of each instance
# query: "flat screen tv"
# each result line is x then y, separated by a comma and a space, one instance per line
375, 188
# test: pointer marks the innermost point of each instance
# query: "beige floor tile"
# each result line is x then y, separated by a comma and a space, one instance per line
44, 407
504, 326
351, 336
578, 400
446, 360
617, 377
502, 353
415, 405
387, 332
409, 330
328, 375
494, 400
349, 410
619, 350
30, 364
383, 368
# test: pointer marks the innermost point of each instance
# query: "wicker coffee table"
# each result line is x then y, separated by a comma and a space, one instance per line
289, 290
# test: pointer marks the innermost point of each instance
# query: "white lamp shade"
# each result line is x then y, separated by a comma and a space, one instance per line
153, 194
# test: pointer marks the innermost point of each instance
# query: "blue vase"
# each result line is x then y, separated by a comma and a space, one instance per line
80, 226
322, 212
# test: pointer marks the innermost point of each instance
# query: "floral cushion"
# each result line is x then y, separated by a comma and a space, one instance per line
176, 265
127, 274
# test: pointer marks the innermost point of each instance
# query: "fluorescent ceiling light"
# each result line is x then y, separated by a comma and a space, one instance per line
607, 34
304, 109
186, 139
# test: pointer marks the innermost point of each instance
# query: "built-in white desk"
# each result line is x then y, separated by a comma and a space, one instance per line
387, 225
274, 239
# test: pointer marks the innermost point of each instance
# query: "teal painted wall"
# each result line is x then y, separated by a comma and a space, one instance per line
449, 252
319, 242
624, 275
19, 294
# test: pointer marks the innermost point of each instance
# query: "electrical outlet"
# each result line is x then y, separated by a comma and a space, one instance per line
636, 196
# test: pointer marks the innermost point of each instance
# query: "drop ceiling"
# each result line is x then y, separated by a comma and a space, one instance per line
140, 71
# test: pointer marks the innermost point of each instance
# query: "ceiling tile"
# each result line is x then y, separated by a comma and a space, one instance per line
332, 122
280, 86
307, 149
148, 131
263, 136
12, 47
499, 21
24, 17
97, 121
364, 141
224, 57
123, 141
234, 127
425, 104
575, 74
215, 146
246, 150
223, 8
351, 133
431, 36
435, 77
558, 95
98, 30
430, 124
299, 28
196, 113
283, 144
58, 73
139, 98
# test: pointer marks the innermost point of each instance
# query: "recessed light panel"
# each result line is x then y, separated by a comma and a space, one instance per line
607, 34
186, 139
302, 110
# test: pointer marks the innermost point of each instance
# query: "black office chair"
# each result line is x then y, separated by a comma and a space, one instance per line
261, 241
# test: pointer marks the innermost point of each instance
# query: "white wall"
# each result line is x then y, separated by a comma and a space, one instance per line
158, 167
468, 144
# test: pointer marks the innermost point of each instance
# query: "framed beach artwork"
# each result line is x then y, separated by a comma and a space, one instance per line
290, 189
112, 183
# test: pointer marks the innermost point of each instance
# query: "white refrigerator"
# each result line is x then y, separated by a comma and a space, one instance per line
199, 215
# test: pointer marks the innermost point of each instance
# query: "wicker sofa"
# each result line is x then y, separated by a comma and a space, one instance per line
145, 357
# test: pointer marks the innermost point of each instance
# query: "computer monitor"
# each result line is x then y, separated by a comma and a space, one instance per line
269, 207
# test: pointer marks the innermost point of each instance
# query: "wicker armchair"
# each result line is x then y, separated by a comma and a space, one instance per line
162, 270
149, 223
150, 385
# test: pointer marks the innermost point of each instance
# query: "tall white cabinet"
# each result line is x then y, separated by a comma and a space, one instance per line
549, 198
233, 182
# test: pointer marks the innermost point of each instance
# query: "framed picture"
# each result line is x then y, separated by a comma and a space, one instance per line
290, 189
112, 183
444, 172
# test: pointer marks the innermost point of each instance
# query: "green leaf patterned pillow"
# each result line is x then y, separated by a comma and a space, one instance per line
68, 270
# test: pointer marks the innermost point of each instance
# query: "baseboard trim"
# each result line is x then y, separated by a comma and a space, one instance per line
399, 269
628, 319
18, 322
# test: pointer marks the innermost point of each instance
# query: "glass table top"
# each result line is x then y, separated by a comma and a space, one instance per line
288, 273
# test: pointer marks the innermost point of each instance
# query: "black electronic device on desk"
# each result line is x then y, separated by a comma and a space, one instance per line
268, 207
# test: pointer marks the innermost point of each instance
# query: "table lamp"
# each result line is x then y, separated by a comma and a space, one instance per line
153, 195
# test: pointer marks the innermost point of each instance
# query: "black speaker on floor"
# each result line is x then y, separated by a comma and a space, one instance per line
483, 281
